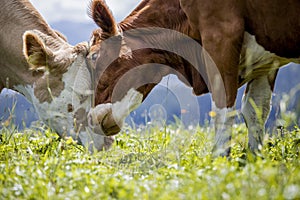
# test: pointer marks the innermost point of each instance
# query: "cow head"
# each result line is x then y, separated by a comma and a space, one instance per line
62, 92
108, 46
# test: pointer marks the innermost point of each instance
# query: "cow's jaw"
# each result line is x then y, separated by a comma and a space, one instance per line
67, 113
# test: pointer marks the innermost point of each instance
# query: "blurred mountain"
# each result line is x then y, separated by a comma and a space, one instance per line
15, 109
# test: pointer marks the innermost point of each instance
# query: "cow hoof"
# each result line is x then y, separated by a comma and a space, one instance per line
221, 152
108, 141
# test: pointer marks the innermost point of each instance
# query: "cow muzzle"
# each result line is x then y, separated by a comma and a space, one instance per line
102, 121
108, 119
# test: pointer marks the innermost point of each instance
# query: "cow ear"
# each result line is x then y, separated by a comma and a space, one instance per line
48, 51
103, 17
35, 51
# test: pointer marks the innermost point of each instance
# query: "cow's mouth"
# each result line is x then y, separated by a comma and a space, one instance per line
107, 119
109, 125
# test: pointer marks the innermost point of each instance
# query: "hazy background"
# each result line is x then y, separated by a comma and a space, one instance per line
70, 17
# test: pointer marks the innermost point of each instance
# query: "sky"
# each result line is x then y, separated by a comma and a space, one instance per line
76, 10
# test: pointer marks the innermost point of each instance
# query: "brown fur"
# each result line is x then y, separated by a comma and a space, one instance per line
222, 25
145, 15
102, 14
16, 17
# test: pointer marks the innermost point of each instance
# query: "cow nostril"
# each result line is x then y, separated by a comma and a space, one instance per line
109, 126
111, 131
70, 108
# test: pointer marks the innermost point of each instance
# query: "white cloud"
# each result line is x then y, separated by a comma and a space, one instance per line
76, 10
121, 8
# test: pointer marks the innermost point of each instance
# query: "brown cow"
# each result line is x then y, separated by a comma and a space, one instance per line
238, 38
221, 26
57, 79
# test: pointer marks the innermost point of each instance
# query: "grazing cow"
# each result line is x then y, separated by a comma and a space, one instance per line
244, 42
56, 79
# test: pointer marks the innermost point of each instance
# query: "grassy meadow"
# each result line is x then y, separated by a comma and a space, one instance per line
148, 163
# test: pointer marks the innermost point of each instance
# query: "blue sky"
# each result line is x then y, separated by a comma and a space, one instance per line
76, 10
70, 16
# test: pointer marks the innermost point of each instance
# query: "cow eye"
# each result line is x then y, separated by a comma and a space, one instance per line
94, 56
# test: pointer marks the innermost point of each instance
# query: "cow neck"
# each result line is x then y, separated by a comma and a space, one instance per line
14, 68
167, 15
153, 13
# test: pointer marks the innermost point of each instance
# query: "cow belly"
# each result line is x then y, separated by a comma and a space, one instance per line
255, 61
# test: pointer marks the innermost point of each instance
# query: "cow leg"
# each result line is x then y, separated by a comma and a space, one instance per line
222, 71
223, 122
256, 105
220, 26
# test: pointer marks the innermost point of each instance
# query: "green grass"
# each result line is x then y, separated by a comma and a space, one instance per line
152, 163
